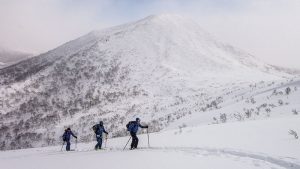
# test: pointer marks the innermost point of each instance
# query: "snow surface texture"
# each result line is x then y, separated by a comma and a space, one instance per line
262, 144
163, 69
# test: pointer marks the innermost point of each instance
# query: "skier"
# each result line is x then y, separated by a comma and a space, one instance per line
67, 136
99, 129
133, 127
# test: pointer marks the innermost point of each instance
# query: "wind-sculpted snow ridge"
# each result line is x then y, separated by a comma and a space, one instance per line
161, 69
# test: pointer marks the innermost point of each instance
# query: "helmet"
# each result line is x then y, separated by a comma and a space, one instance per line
138, 119
101, 123
68, 128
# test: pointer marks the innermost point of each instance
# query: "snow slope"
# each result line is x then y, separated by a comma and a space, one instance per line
9, 57
261, 144
255, 102
161, 68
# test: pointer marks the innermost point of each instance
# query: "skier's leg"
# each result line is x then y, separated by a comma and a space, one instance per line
68, 145
136, 141
97, 145
100, 142
132, 141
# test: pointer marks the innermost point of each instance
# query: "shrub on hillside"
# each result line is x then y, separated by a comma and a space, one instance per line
295, 112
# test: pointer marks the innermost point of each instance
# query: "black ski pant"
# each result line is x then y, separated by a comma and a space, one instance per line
135, 140
99, 142
68, 147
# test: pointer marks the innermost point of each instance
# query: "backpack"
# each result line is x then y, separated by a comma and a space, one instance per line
130, 125
64, 136
95, 128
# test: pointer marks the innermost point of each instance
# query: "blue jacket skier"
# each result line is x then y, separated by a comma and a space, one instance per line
133, 127
67, 136
99, 130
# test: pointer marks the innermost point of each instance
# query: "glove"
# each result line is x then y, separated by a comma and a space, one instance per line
76, 137
147, 126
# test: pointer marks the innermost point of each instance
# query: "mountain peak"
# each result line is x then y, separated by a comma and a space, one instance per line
165, 16
168, 19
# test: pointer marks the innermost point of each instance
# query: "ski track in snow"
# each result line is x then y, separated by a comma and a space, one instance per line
194, 151
218, 152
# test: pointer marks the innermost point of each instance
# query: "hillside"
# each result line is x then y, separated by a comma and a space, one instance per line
161, 68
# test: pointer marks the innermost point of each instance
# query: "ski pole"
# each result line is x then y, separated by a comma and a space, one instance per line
127, 143
62, 146
105, 140
148, 138
76, 144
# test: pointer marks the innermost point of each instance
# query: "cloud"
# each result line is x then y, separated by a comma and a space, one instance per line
39, 25
267, 28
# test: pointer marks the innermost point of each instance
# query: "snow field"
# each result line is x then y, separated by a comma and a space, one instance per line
253, 144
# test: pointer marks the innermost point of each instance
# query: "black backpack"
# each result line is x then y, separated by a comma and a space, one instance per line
64, 136
95, 128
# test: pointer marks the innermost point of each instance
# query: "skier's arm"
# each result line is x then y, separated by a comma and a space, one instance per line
142, 126
73, 135
105, 131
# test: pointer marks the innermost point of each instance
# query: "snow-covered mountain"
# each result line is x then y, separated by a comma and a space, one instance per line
161, 69
9, 57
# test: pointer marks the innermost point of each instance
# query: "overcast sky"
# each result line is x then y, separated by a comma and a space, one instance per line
268, 29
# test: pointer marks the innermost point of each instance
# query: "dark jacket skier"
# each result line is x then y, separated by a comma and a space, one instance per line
99, 130
67, 136
133, 127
